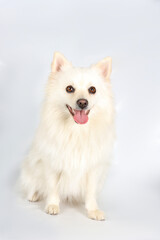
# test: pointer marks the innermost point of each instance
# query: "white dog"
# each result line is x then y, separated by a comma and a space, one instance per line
73, 144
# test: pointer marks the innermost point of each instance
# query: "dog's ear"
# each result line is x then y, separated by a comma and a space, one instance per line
105, 67
58, 62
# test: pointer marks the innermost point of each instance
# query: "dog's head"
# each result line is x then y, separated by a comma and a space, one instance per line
78, 94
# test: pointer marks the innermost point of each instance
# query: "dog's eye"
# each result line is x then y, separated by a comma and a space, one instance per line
70, 89
92, 90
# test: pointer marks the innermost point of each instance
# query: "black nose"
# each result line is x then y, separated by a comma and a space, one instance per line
82, 103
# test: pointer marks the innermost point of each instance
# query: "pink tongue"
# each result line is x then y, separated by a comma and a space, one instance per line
80, 116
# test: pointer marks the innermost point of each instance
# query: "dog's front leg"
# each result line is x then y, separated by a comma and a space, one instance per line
52, 200
90, 201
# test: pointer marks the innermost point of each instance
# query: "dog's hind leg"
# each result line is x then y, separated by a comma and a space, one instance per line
32, 180
33, 196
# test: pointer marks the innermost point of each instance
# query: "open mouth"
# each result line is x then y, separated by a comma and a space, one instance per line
79, 116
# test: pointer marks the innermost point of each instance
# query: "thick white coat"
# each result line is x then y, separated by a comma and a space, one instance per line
71, 156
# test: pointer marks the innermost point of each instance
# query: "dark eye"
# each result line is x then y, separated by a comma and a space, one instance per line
70, 89
92, 90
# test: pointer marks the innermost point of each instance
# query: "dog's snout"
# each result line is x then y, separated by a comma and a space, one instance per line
82, 103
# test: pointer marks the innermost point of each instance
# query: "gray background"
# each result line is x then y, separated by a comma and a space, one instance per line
85, 32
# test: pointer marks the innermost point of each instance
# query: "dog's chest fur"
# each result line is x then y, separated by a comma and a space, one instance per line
72, 152
74, 149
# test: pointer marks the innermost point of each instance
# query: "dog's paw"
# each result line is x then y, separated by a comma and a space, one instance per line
34, 197
52, 209
96, 215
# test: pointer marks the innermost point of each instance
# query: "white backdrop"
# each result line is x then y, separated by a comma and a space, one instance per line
85, 32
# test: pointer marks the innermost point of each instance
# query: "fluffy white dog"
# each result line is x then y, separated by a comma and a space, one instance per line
70, 153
